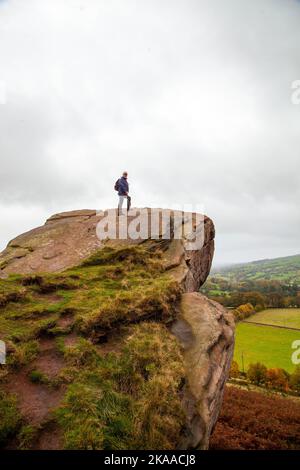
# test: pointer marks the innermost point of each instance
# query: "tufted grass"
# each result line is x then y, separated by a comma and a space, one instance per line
10, 418
110, 287
128, 400
123, 400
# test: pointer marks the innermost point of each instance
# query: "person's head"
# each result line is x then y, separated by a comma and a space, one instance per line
125, 174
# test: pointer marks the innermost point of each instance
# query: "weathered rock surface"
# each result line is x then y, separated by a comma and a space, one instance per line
204, 328
70, 237
206, 332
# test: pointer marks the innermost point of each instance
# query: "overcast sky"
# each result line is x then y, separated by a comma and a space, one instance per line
192, 97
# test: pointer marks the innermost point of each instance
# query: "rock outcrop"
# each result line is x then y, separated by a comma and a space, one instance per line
70, 237
203, 328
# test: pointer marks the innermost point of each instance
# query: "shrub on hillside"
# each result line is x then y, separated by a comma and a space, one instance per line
256, 373
234, 371
295, 379
244, 311
259, 307
277, 379
274, 378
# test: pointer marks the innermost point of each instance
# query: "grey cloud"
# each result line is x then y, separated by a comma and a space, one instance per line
192, 98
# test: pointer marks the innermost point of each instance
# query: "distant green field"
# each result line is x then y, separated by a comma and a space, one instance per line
288, 317
266, 344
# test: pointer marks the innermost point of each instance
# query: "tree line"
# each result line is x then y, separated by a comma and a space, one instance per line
273, 378
260, 294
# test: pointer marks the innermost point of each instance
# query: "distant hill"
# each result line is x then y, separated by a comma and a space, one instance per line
286, 270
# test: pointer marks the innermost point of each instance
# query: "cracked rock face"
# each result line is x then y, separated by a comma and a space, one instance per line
205, 329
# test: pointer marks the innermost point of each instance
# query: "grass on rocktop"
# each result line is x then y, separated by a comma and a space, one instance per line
110, 287
128, 400
9, 416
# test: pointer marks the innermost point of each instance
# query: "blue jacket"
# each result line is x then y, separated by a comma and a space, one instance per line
123, 186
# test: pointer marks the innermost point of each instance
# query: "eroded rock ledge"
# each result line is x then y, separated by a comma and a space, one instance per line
206, 332
70, 237
204, 328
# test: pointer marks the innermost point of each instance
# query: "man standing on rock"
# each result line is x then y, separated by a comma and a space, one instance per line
122, 187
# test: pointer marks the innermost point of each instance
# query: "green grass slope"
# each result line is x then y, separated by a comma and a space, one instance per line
266, 344
91, 363
285, 317
286, 269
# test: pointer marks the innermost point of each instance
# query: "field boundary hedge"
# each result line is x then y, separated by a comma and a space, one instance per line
269, 324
